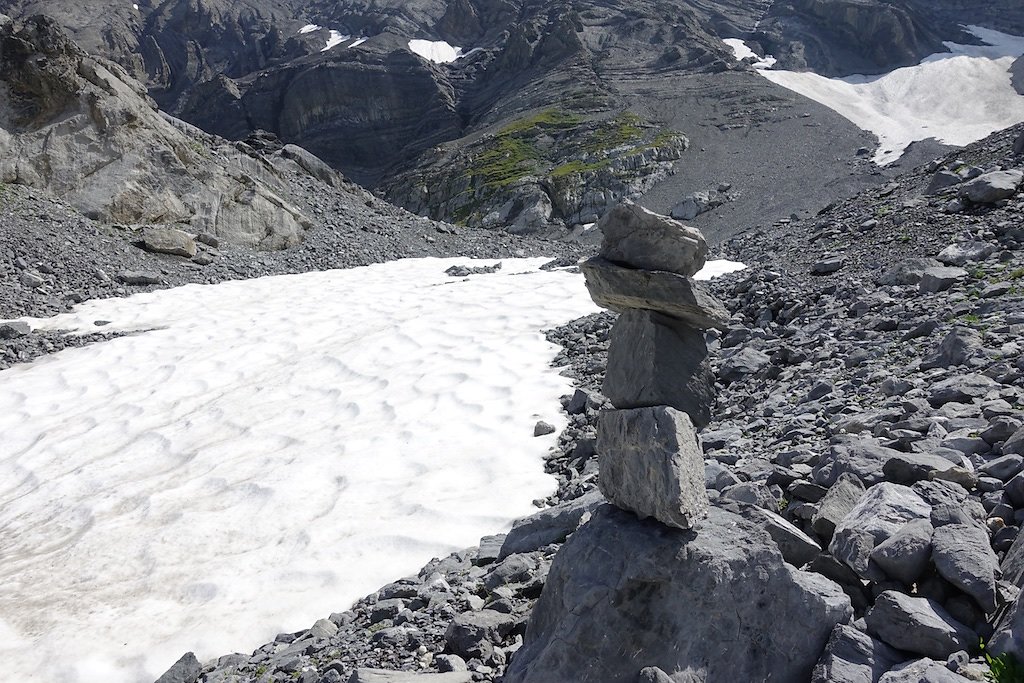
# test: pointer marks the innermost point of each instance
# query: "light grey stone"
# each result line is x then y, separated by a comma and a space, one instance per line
907, 272
963, 556
852, 656
620, 289
650, 464
385, 676
862, 457
638, 238
992, 187
879, 514
745, 361
185, 670
654, 361
797, 547
922, 671
168, 241
909, 468
965, 252
918, 625
904, 556
623, 594
552, 525
841, 497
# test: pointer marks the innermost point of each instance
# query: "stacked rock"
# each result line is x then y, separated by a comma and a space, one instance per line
658, 378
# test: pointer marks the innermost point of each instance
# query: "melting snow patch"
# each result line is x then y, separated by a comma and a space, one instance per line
438, 51
309, 28
956, 97
336, 38
713, 269
742, 51
267, 452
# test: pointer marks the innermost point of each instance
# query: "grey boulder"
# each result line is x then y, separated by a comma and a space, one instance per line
168, 241
852, 656
638, 238
841, 497
992, 187
552, 525
922, 671
963, 252
904, 556
650, 464
918, 625
962, 554
878, 515
385, 676
625, 594
940, 279
745, 361
185, 670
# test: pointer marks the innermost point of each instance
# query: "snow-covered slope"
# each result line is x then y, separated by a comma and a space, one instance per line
265, 453
956, 97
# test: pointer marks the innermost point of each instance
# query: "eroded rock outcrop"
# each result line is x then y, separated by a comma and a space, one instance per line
82, 128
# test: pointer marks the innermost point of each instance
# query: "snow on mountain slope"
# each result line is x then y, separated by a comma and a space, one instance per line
264, 453
956, 97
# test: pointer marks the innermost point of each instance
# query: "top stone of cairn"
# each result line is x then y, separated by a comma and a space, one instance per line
637, 238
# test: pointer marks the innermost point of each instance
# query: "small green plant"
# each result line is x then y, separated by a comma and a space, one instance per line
971, 319
1016, 274
783, 504
905, 238
978, 273
1003, 668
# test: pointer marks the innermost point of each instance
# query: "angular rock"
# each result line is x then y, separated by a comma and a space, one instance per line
185, 670
909, 468
139, 277
650, 464
385, 676
956, 348
852, 656
552, 525
842, 497
168, 241
654, 361
941, 180
922, 671
620, 289
862, 457
1003, 468
746, 361
992, 187
963, 556
638, 238
940, 279
796, 547
879, 514
965, 252
918, 625
1015, 444
904, 555
624, 594
827, 265
14, 329
472, 634
907, 272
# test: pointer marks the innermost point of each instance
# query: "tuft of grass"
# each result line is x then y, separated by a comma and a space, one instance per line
577, 167
1003, 668
1016, 274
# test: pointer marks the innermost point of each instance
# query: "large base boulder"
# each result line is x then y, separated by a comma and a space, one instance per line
716, 603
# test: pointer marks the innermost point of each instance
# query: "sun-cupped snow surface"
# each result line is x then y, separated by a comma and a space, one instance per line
956, 97
438, 51
264, 453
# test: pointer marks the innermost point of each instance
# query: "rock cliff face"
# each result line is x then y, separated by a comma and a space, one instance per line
82, 128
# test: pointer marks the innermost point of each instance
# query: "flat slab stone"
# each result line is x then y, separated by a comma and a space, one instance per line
638, 238
651, 464
620, 289
918, 625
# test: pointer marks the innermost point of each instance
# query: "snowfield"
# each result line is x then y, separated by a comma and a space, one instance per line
257, 454
437, 51
956, 97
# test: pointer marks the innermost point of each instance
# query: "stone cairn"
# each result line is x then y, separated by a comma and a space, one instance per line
658, 377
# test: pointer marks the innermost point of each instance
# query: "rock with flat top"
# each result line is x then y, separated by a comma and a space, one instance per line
168, 241
638, 238
992, 187
385, 676
852, 656
651, 464
620, 289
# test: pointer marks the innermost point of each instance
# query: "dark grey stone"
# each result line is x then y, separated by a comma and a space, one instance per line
918, 625
654, 361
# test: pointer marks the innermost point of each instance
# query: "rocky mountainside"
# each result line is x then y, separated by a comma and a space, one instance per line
340, 80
